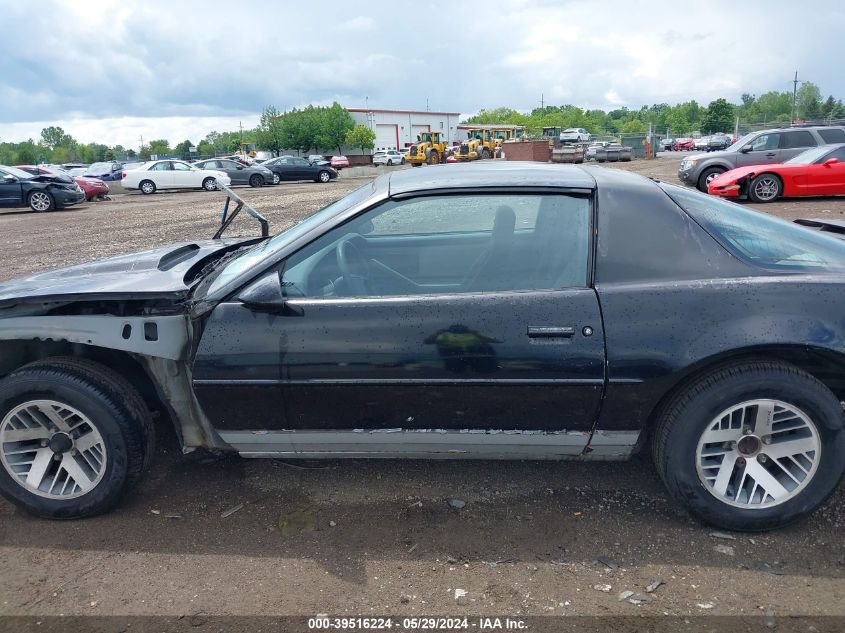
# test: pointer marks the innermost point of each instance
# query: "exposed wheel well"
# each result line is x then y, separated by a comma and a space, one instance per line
17, 353
825, 365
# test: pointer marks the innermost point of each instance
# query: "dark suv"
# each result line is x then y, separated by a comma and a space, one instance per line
756, 148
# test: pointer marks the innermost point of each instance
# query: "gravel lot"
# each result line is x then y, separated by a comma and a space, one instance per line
380, 537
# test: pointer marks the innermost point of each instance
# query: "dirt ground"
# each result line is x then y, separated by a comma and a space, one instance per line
209, 536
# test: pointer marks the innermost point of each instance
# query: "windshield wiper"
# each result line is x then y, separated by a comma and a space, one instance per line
228, 217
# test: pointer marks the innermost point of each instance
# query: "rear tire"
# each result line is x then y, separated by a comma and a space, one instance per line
147, 187
40, 201
88, 401
389, 163
746, 476
256, 180
485, 154
765, 188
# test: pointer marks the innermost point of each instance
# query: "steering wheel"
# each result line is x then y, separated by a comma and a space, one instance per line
353, 265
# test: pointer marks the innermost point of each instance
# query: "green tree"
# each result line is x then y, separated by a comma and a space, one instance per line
53, 137
183, 149
333, 125
633, 126
808, 101
719, 116
159, 146
269, 134
361, 136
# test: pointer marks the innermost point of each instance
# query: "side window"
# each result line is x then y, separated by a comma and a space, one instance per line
838, 154
181, 167
765, 142
162, 167
797, 139
833, 135
449, 244
302, 162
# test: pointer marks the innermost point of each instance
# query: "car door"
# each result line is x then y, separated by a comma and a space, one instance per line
11, 192
238, 175
162, 174
793, 142
302, 169
828, 179
463, 313
763, 150
184, 176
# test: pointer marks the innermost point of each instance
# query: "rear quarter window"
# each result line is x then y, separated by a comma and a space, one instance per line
833, 135
793, 140
759, 238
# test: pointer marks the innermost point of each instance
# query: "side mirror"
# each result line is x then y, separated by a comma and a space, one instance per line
265, 296
830, 161
746, 149
9, 178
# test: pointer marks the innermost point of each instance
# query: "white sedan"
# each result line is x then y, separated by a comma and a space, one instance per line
172, 174
575, 135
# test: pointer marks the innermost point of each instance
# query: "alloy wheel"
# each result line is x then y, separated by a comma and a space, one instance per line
40, 201
52, 449
766, 188
758, 454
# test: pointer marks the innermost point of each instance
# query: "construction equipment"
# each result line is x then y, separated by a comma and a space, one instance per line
247, 150
486, 141
429, 148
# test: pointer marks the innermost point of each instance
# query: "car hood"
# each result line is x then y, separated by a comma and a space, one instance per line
169, 271
742, 172
59, 178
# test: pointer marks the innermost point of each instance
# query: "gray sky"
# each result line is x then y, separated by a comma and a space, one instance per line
112, 71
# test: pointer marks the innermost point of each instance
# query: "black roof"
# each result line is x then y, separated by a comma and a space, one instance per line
490, 174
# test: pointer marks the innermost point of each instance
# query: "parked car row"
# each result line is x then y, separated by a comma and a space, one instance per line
757, 148
40, 192
205, 174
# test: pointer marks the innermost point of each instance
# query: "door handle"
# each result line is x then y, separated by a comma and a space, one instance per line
771, 154
543, 331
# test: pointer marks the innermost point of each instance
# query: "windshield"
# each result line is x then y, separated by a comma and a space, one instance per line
259, 253
760, 238
809, 157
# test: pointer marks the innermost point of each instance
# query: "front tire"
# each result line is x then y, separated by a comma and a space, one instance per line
73, 438
256, 181
209, 184
485, 154
41, 201
276, 178
324, 177
751, 446
765, 188
706, 176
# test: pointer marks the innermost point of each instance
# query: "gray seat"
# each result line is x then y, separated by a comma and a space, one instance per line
490, 270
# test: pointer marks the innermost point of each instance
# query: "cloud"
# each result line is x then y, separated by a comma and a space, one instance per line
217, 61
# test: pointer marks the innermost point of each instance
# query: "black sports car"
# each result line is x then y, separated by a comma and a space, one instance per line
295, 168
487, 310
39, 192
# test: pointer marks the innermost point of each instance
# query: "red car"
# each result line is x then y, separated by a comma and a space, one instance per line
819, 171
339, 162
684, 144
92, 187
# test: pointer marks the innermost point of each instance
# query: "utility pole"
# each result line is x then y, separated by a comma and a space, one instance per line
542, 103
427, 109
794, 94
736, 128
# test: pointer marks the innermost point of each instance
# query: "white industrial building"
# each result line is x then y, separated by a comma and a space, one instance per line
399, 128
